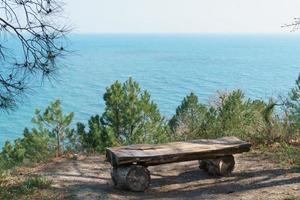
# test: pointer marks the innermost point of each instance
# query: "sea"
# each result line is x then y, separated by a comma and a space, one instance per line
169, 66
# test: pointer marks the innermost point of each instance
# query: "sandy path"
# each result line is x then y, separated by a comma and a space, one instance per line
255, 177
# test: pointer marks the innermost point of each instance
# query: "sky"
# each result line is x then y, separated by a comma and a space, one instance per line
181, 16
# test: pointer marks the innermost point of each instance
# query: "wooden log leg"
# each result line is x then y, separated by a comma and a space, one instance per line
114, 176
203, 164
133, 177
222, 166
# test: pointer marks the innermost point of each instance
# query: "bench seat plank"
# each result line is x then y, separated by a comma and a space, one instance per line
156, 154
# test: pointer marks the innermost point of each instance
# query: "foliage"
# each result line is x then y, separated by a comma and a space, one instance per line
290, 154
12, 154
38, 42
37, 181
229, 115
27, 187
189, 115
239, 116
56, 124
131, 115
36, 145
286, 154
33, 147
293, 105
96, 139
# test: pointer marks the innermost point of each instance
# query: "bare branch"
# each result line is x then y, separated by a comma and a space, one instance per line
294, 26
31, 42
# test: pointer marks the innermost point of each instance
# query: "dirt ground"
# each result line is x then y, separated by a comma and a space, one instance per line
255, 177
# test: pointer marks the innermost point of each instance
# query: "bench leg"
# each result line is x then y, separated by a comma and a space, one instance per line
221, 166
132, 177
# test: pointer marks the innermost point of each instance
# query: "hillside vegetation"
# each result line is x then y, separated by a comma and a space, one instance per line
130, 116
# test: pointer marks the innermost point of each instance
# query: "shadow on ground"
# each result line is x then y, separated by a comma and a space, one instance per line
254, 177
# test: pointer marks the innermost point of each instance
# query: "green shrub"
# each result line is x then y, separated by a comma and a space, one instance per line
189, 115
12, 154
231, 114
37, 145
23, 188
289, 154
131, 116
97, 138
36, 182
293, 110
33, 147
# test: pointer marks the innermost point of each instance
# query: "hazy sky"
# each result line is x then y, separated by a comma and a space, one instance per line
141, 16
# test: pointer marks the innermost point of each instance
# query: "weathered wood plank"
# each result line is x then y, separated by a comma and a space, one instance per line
148, 155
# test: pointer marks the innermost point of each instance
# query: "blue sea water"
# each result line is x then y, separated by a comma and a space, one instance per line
169, 66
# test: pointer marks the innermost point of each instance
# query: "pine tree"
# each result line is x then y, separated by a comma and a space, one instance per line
55, 123
96, 139
113, 101
12, 153
36, 145
189, 116
131, 115
239, 116
293, 104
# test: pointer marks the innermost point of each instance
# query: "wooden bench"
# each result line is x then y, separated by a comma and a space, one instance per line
130, 162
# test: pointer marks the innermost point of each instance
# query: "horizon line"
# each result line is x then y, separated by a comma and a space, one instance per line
192, 33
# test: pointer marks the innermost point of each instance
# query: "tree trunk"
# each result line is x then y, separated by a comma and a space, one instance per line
58, 145
222, 166
132, 177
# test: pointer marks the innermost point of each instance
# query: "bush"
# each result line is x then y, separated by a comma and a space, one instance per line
289, 154
231, 114
97, 138
24, 188
33, 147
189, 115
12, 154
39, 144
36, 182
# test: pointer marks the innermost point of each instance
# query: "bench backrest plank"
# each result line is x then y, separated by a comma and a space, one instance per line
147, 154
